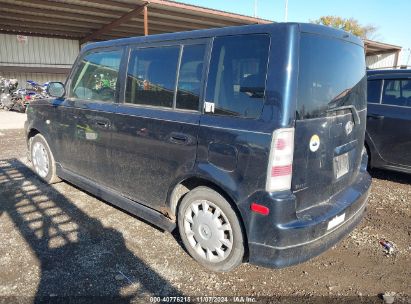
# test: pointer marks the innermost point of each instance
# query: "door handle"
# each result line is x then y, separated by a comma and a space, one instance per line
102, 123
375, 116
179, 138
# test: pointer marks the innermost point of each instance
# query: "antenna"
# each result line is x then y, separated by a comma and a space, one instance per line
286, 11
409, 55
255, 8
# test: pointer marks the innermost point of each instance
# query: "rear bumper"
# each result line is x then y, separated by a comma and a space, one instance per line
285, 238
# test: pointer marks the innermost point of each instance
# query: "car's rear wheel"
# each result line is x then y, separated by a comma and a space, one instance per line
210, 230
366, 151
42, 159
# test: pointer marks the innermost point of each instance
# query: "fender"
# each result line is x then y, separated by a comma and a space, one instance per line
37, 121
204, 173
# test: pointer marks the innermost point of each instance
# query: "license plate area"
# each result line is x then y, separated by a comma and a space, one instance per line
341, 165
336, 221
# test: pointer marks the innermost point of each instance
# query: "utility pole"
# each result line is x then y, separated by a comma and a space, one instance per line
286, 11
408, 59
255, 8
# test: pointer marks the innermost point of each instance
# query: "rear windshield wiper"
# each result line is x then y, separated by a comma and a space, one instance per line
354, 112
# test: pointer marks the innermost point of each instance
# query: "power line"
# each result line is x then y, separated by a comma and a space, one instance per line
255, 8
286, 11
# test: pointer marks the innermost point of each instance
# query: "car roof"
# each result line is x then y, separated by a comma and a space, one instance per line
232, 30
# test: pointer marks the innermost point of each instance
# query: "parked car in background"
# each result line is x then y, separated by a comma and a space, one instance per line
388, 136
248, 139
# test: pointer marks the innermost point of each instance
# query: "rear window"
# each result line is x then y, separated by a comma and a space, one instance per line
331, 75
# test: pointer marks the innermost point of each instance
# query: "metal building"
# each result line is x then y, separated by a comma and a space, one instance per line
39, 39
36, 58
381, 55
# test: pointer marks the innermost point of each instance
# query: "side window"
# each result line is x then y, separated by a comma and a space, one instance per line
374, 91
96, 76
189, 79
397, 92
151, 76
238, 69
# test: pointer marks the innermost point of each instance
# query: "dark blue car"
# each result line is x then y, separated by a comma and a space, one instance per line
388, 135
248, 139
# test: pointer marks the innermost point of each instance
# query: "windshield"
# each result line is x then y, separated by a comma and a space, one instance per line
331, 75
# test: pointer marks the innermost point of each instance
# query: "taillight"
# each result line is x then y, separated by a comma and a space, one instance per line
280, 164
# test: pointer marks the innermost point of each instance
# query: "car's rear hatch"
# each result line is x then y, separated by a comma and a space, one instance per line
330, 119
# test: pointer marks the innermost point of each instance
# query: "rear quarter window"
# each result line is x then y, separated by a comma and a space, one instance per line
237, 75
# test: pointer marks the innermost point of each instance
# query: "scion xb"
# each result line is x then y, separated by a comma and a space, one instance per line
247, 139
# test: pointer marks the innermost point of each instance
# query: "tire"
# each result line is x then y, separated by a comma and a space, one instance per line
214, 226
42, 160
367, 152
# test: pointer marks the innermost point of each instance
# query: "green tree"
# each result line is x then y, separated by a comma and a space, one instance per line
350, 25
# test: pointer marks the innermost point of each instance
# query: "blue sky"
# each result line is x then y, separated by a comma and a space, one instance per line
391, 17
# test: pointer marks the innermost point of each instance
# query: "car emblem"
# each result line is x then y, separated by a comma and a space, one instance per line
314, 143
349, 126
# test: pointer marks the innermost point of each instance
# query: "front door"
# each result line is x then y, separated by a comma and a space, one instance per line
85, 116
389, 123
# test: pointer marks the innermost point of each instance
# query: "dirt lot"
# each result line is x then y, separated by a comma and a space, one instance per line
59, 241
12, 120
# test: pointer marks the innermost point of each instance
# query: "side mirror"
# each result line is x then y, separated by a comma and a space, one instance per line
56, 89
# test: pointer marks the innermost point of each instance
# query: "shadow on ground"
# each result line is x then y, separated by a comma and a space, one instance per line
392, 176
78, 256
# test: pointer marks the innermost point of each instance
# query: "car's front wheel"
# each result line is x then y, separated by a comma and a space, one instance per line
42, 159
210, 230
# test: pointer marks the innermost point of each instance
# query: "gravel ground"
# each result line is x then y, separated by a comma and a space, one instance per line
58, 241
12, 120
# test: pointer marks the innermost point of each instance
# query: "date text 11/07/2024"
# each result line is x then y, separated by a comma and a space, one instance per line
203, 299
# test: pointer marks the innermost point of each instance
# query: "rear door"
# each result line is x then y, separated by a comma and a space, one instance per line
330, 118
155, 131
389, 122
233, 138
